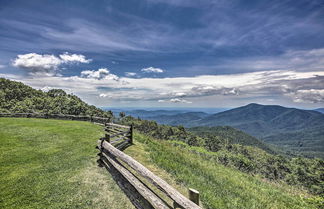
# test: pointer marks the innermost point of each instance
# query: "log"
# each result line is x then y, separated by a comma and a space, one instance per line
157, 181
151, 197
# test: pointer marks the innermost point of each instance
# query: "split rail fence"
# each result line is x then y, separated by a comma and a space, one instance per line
110, 154
57, 116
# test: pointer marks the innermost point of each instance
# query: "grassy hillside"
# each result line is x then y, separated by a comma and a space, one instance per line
299, 171
17, 97
52, 164
220, 186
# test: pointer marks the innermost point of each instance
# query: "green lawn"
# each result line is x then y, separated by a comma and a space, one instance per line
52, 164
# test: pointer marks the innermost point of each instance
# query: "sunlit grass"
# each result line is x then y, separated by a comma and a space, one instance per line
52, 164
220, 186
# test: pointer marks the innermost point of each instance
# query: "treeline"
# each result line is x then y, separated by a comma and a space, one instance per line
16, 97
298, 171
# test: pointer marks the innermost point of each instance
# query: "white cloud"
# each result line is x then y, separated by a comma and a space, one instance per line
152, 70
104, 96
46, 88
175, 100
45, 62
130, 74
37, 62
308, 96
102, 73
2, 66
66, 57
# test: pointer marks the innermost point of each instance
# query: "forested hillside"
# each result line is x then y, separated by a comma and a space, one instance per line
17, 97
307, 173
229, 135
296, 130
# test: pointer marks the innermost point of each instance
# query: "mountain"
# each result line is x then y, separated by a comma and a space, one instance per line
144, 114
178, 119
17, 97
321, 110
232, 136
294, 129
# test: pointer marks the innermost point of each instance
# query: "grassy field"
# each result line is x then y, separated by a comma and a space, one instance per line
52, 164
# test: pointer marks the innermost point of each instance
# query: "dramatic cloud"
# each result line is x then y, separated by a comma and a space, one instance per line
102, 73
46, 62
152, 70
130, 74
97, 87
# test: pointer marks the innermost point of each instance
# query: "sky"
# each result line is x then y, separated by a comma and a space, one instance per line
168, 53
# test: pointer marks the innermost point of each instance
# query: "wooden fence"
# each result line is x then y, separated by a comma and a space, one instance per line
116, 133
110, 154
58, 116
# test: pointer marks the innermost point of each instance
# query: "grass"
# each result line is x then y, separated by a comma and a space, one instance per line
52, 164
220, 186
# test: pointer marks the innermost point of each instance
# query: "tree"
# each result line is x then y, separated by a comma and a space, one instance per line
122, 114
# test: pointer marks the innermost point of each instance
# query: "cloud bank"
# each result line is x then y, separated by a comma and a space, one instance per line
103, 88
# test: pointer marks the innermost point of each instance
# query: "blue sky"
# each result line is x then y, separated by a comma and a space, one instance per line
168, 53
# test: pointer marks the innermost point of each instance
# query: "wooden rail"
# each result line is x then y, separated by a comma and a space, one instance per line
118, 133
180, 200
93, 119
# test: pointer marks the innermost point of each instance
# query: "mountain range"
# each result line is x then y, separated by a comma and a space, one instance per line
295, 130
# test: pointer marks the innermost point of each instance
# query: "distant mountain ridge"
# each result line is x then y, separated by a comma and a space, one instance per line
321, 110
232, 136
295, 129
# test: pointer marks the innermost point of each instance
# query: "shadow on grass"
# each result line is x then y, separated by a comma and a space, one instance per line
133, 195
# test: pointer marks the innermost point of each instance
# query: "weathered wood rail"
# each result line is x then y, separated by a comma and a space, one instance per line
109, 153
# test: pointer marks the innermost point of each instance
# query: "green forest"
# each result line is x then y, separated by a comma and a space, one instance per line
16, 97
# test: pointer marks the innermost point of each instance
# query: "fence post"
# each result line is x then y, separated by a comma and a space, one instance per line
107, 137
194, 196
176, 205
131, 133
